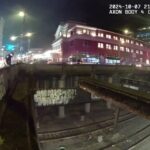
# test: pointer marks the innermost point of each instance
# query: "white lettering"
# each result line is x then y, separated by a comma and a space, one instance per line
131, 12
115, 12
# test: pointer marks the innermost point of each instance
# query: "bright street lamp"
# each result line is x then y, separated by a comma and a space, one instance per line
13, 38
21, 13
126, 31
28, 34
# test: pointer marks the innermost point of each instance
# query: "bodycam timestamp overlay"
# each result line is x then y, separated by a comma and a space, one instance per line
129, 9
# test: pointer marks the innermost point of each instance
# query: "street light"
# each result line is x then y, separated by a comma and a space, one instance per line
126, 31
21, 13
13, 38
28, 34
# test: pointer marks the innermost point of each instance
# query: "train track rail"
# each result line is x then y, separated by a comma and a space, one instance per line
49, 135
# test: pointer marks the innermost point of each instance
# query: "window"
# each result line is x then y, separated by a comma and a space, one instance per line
108, 36
115, 38
141, 52
64, 35
141, 44
108, 46
79, 31
122, 40
121, 48
68, 35
115, 47
132, 42
88, 32
132, 51
127, 50
100, 35
137, 51
84, 31
100, 45
137, 43
127, 41
93, 33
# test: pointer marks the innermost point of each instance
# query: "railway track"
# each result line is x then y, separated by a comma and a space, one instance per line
129, 146
49, 135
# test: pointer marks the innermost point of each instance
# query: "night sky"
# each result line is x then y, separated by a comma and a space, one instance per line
43, 17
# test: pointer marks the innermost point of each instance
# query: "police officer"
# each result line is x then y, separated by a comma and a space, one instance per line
8, 58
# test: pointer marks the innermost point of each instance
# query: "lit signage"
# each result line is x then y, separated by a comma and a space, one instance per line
10, 47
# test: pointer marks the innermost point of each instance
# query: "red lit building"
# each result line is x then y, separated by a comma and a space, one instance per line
89, 44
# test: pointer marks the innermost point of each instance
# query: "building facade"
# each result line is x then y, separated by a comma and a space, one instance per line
1, 34
75, 41
143, 34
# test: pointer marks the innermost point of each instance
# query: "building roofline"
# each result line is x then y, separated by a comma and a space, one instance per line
119, 34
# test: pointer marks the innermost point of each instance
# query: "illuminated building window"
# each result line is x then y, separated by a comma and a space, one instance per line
121, 48
115, 38
137, 43
137, 51
115, 47
141, 52
141, 44
147, 62
108, 46
84, 31
127, 41
100, 45
68, 35
127, 50
141, 60
122, 40
79, 31
100, 35
132, 50
93, 33
64, 35
87, 32
132, 42
108, 36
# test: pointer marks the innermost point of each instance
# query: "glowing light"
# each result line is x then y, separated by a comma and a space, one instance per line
126, 31
13, 38
147, 62
29, 34
138, 65
122, 42
21, 13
